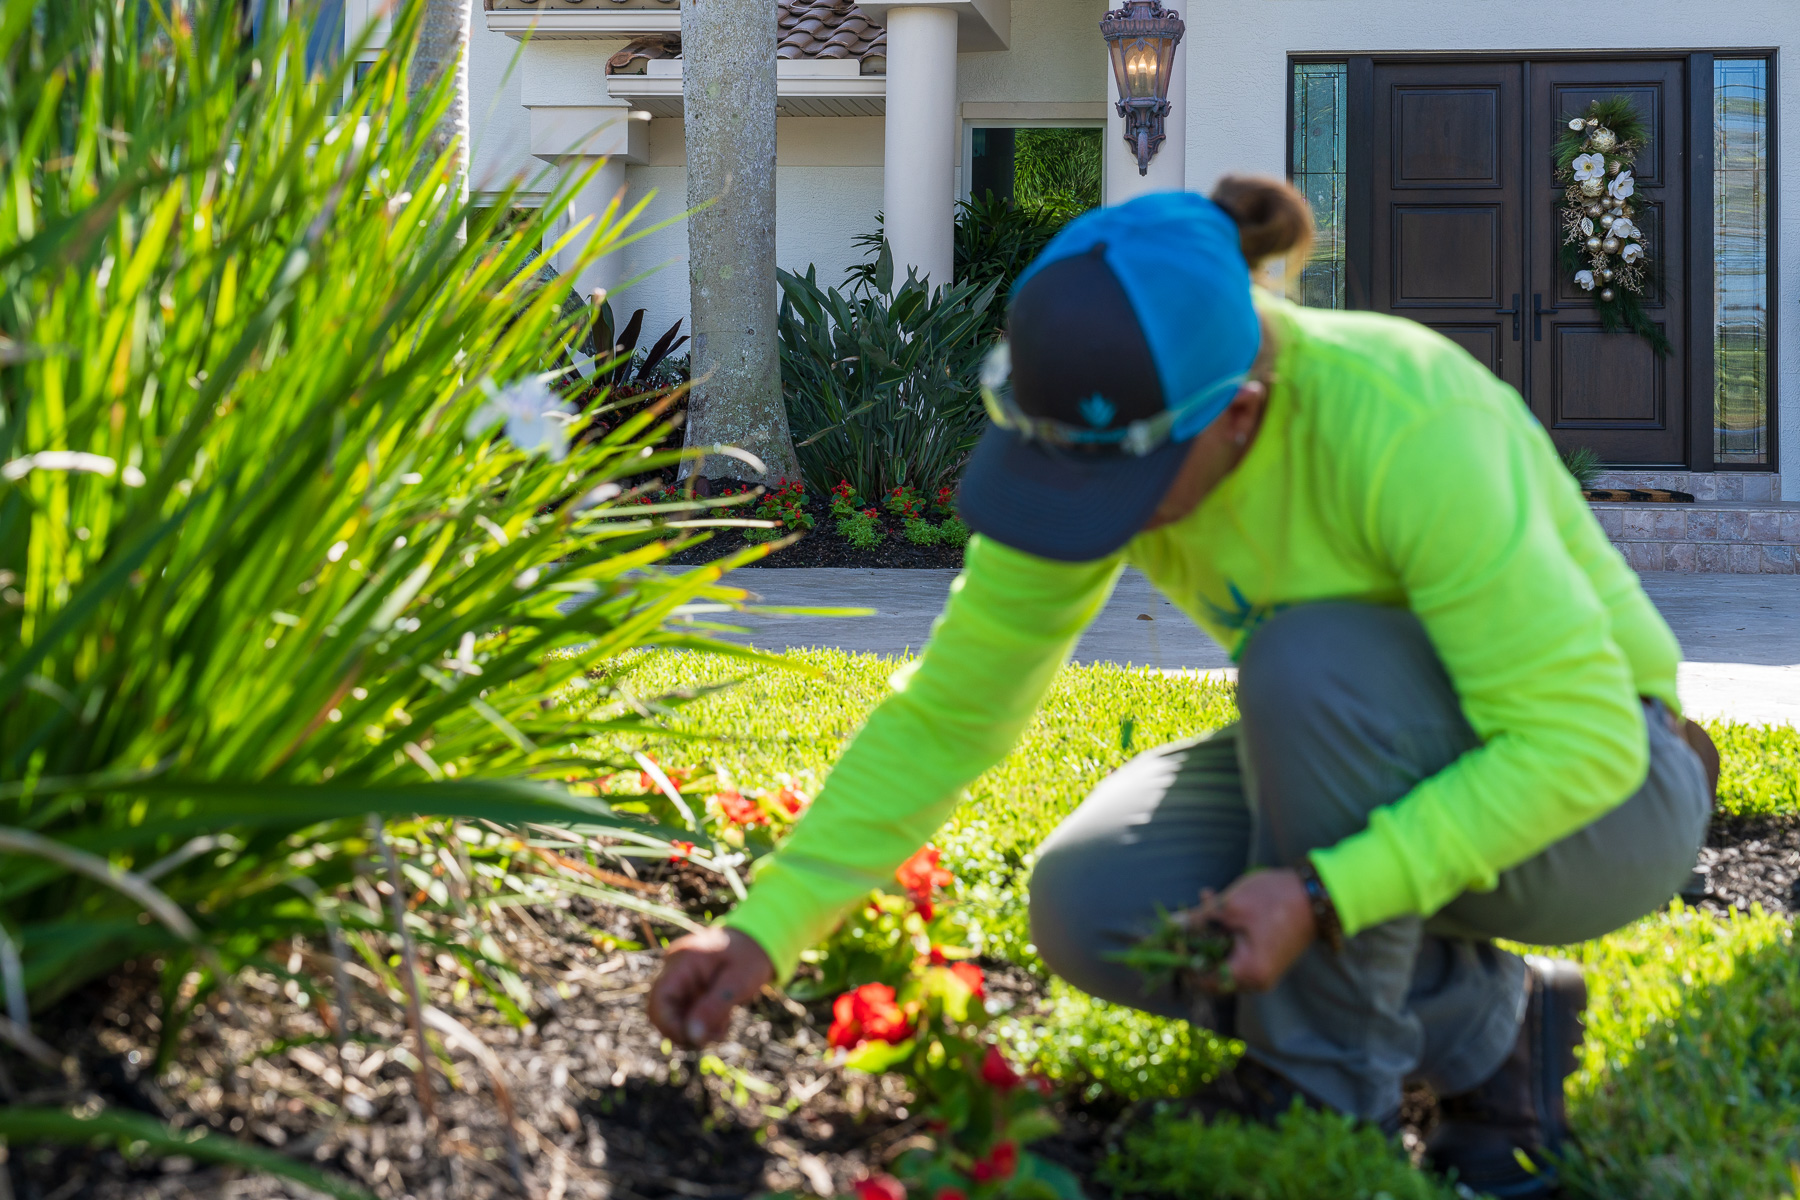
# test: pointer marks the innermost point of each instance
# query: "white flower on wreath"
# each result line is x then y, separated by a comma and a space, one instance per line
1587, 226
1632, 252
1585, 279
1623, 228
1622, 186
537, 419
1577, 124
1589, 166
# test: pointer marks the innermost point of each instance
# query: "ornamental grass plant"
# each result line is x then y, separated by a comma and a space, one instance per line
292, 531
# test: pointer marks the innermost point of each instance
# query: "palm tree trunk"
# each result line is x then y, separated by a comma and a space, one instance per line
728, 90
444, 47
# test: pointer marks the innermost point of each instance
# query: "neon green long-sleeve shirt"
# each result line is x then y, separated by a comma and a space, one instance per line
1391, 468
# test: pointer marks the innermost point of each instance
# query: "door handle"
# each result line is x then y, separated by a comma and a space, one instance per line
1512, 312
1538, 313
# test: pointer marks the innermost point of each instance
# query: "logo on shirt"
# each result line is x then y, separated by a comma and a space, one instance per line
1243, 616
1098, 410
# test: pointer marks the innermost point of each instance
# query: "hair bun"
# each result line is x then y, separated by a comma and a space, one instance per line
1273, 219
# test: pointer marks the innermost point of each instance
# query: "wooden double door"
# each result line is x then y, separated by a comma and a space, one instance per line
1463, 235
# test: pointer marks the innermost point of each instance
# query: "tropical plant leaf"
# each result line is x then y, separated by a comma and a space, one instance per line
135, 1130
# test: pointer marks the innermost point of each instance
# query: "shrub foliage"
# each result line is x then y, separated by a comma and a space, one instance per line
881, 382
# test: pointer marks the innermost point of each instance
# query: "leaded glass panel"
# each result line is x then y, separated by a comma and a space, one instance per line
1741, 261
1321, 171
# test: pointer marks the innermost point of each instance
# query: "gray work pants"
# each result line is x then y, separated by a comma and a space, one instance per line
1344, 708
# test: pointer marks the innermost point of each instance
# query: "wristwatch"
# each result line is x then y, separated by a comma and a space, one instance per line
1325, 913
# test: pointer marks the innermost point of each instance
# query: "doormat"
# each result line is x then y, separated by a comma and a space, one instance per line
1639, 495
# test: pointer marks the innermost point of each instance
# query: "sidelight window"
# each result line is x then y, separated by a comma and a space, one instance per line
1321, 170
1741, 185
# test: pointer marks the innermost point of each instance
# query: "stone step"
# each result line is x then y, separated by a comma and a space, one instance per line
1736, 537
1753, 487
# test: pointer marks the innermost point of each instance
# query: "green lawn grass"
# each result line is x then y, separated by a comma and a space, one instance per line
1690, 1084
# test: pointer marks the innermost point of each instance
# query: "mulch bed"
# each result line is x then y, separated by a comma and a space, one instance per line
822, 547
1747, 861
603, 1109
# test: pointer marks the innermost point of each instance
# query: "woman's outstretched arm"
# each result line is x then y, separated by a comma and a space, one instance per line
1012, 620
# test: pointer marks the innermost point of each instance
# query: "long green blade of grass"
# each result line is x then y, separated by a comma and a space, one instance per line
139, 1133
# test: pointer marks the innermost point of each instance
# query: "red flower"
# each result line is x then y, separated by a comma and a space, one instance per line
971, 975
675, 775
740, 810
938, 958
868, 1014
681, 851
1000, 1163
920, 873
880, 1187
997, 1072
792, 802
925, 909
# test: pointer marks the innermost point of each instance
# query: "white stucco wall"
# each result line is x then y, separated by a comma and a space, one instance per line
1238, 80
499, 123
1056, 56
827, 190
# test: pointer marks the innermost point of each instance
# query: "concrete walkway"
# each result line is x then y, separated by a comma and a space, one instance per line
1740, 634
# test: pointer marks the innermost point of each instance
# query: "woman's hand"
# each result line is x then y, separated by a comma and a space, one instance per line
704, 976
1271, 922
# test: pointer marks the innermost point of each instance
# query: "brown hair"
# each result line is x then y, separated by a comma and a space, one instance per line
1273, 219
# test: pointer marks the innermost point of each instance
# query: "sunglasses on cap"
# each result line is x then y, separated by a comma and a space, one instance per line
1136, 439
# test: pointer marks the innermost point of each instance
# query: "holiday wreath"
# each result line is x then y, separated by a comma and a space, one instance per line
1603, 246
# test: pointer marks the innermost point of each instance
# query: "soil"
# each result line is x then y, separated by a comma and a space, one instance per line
1747, 861
603, 1108
822, 547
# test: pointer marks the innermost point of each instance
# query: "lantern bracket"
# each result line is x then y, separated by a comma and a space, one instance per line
1141, 39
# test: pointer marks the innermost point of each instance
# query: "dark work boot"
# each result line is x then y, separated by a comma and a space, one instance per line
1518, 1112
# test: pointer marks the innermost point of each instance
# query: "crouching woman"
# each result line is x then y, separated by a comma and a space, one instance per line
1458, 710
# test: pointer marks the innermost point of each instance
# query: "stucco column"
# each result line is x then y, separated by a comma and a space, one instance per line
1168, 170
589, 204
918, 177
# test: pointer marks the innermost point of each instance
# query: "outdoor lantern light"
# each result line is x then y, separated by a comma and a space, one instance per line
1141, 38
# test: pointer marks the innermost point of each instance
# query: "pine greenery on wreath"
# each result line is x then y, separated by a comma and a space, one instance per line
1602, 246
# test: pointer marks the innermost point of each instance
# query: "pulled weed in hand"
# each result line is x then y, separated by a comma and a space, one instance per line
1179, 956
